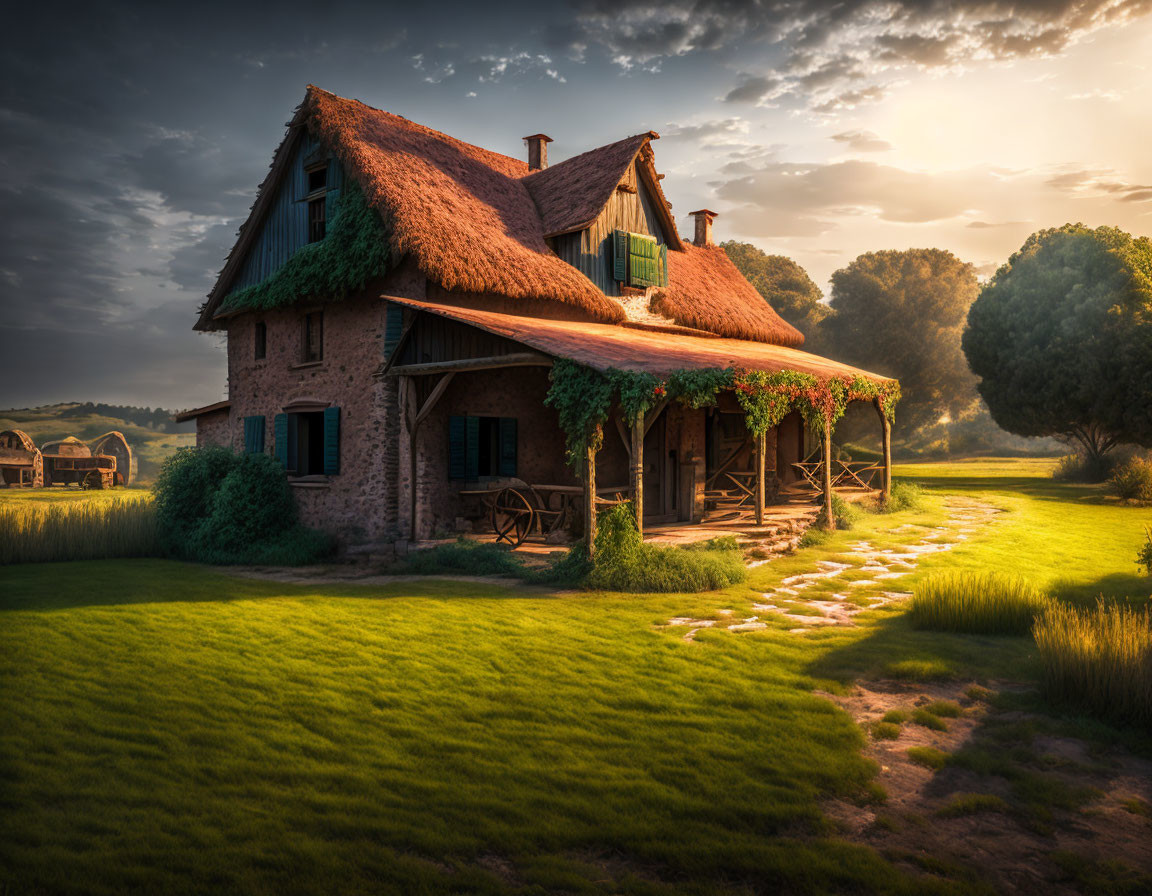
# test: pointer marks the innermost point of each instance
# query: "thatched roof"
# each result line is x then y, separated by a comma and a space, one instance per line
475, 221
463, 212
706, 291
643, 350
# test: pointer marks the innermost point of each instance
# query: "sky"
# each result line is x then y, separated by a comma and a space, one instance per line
133, 137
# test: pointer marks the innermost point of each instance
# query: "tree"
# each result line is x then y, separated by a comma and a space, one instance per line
784, 285
1061, 338
900, 313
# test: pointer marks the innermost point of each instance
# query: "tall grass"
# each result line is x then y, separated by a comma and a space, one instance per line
83, 530
976, 603
1099, 660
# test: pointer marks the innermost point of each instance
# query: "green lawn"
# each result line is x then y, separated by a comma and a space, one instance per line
168, 728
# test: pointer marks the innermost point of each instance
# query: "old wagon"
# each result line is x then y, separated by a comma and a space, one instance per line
71, 462
21, 463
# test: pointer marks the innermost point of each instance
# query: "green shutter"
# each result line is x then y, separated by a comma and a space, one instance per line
254, 435
331, 441
457, 447
643, 260
393, 327
620, 255
280, 434
472, 454
507, 446
663, 265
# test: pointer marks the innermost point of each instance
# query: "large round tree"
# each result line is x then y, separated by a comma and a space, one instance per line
1061, 338
900, 313
782, 282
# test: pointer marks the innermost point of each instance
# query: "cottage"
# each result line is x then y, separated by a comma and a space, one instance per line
432, 336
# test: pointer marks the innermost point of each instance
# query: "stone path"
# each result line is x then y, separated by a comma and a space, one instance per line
879, 566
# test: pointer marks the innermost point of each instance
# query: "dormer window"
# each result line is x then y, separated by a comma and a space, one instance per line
638, 260
317, 202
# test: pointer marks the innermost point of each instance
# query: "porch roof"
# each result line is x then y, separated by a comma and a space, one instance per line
658, 351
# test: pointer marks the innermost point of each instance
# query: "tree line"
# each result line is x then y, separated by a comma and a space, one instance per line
1058, 343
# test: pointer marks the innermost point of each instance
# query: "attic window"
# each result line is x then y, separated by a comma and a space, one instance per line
317, 219
638, 260
318, 179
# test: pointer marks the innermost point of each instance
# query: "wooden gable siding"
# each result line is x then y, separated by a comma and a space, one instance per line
590, 250
285, 229
436, 338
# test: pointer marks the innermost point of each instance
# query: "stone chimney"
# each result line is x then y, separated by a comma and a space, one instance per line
704, 219
538, 151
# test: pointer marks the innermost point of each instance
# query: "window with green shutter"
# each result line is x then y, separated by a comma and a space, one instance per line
280, 437
254, 435
331, 441
638, 260
393, 327
481, 447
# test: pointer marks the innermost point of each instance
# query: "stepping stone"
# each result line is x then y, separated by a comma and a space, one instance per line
748, 627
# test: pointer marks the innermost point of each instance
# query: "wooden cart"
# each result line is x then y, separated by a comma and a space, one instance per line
521, 510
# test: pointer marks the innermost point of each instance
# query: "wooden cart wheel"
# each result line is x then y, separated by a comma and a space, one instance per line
512, 517
92, 479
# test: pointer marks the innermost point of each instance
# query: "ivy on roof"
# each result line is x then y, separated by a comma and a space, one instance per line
354, 251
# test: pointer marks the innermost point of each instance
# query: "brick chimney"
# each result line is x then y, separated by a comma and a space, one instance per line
538, 151
704, 219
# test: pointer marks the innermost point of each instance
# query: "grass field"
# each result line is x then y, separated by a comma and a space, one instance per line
168, 728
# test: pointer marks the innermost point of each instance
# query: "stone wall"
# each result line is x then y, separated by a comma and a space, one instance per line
214, 428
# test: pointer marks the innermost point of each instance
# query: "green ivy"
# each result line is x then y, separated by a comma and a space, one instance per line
699, 388
354, 251
639, 392
582, 397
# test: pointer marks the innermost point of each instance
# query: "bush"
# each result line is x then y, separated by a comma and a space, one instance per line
845, 515
1078, 467
624, 563
468, 557
976, 603
1144, 558
904, 496
214, 506
1132, 480
1099, 660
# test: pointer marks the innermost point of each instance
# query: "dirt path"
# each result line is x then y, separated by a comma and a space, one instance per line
882, 567
1012, 805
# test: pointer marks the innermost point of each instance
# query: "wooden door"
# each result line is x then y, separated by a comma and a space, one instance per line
660, 474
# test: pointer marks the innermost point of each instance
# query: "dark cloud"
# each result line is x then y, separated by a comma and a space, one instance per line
862, 141
1098, 181
752, 89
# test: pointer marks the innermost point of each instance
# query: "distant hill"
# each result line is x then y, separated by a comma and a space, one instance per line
150, 432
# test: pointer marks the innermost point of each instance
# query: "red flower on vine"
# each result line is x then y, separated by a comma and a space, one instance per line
658, 392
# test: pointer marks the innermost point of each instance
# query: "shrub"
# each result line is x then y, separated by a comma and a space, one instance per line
903, 496
975, 603
214, 506
945, 709
1132, 480
844, 514
1099, 660
962, 804
465, 556
623, 562
885, 730
895, 716
929, 720
929, 757
81, 530
1144, 557
1078, 467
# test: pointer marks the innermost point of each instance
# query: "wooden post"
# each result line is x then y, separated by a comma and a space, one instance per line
590, 500
761, 450
830, 522
637, 471
886, 427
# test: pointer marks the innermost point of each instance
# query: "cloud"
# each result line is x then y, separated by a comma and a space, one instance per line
1097, 182
752, 89
862, 141
724, 133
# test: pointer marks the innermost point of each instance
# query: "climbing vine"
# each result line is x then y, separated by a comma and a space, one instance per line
354, 251
583, 397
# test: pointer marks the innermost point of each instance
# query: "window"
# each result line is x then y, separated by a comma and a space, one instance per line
308, 442
317, 222
260, 341
481, 447
313, 337
254, 435
318, 179
638, 260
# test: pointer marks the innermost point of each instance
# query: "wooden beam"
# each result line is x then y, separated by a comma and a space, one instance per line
590, 500
761, 442
624, 435
636, 468
405, 335
654, 414
829, 522
886, 428
492, 362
